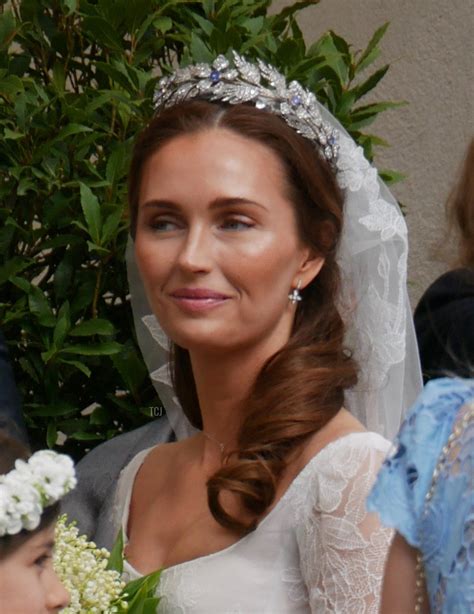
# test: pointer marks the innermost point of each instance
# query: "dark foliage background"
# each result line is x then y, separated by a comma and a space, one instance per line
76, 85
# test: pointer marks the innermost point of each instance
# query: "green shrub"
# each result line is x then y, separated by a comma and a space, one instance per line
76, 84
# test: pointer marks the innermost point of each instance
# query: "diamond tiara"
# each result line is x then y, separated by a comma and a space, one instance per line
258, 83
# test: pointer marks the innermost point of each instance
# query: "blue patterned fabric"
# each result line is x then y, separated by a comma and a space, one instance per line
443, 529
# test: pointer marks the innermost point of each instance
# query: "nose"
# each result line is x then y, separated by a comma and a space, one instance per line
57, 597
195, 255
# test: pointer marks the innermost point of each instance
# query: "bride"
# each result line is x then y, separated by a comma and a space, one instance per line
256, 224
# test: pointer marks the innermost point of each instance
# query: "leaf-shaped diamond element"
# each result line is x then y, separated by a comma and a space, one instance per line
251, 74
275, 78
220, 63
202, 70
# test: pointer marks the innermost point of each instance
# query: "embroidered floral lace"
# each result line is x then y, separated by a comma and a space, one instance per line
318, 550
440, 526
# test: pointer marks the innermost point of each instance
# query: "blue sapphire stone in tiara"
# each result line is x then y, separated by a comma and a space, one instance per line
215, 76
331, 140
296, 100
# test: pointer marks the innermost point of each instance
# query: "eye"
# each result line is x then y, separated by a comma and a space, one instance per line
163, 225
42, 560
237, 224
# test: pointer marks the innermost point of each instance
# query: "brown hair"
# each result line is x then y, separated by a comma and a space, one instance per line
302, 386
10, 450
460, 209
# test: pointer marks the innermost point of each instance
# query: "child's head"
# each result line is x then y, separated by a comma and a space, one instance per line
29, 506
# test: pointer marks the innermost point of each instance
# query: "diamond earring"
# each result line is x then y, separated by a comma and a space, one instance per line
295, 295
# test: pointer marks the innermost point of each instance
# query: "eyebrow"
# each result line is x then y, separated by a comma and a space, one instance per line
49, 545
216, 203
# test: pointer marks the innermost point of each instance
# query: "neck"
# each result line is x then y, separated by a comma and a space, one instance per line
224, 381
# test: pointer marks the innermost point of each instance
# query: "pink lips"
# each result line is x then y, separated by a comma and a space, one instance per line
198, 299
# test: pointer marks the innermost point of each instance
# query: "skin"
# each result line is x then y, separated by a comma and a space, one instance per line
214, 213
28, 582
228, 227
399, 585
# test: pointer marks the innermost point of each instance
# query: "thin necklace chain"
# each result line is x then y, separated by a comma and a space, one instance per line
211, 438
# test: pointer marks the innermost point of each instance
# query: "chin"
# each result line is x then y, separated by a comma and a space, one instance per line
210, 339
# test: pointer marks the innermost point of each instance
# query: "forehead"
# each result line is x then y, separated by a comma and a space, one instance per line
34, 544
217, 160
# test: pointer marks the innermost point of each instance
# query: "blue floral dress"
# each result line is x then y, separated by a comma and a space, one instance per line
440, 526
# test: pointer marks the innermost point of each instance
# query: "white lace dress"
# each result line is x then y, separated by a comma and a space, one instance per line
318, 550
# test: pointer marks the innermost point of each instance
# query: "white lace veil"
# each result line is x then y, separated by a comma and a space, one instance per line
374, 303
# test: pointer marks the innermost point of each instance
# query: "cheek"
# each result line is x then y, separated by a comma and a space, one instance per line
266, 263
20, 588
151, 262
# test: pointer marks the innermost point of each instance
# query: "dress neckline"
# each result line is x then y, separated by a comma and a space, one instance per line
138, 460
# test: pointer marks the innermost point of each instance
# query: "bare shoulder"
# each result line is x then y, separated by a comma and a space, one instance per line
341, 425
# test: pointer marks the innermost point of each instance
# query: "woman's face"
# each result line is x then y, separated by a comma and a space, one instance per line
217, 243
28, 582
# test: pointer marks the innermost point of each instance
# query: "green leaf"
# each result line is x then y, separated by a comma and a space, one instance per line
21, 283
53, 410
371, 52
29, 370
7, 28
99, 349
150, 605
100, 416
49, 354
140, 590
14, 266
199, 51
59, 76
93, 247
39, 307
11, 86
79, 365
63, 324
111, 225
26, 184
144, 27
333, 58
13, 135
131, 368
97, 326
71, 5
115, 561
116, 164
206, 26
91, 209
85, 436
63, 276
365, 115
51, 435
371, 82
118, 74
391, 177
101, 31
293, 8
72, 129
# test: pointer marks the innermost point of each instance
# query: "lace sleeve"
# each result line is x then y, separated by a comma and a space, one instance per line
342, 546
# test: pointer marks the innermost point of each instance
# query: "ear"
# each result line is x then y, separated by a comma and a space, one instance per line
308, 270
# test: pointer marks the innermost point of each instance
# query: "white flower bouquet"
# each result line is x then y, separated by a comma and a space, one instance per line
92, 576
